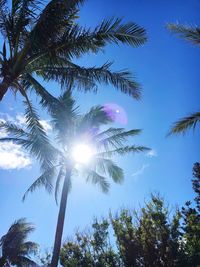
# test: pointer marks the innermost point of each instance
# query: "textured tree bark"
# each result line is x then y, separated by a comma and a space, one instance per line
60, 221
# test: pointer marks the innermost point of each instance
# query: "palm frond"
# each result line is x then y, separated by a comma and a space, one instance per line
46, 180
77, 41
92, 120
38, 138
26, 144
113, 30
14, 246
13, 129
107, 133
47, 100
118, 139
86, 78
25, 261
122, 151
108, 167
64, 116
97, 179
56, 16
184, 124
17, 233
190, 33
4, 18
29, 247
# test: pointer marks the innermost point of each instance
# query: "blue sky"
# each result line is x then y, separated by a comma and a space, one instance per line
167, 67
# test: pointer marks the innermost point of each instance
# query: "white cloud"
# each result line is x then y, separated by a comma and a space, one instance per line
3, 133
141, 170
21, 119
12, 156
45, 124
152, 153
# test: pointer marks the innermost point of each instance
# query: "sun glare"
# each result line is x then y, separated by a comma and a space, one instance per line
82, 153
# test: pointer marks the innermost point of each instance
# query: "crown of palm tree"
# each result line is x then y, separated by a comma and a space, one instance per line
15, 247
45, 41
57, 162
71, 127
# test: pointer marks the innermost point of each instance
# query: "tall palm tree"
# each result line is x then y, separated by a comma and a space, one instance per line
59, 163
44, 41
15, 248
191, 34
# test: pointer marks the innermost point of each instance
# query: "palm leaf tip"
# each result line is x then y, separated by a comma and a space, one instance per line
184, 124
97, 179
113, 30
189, 33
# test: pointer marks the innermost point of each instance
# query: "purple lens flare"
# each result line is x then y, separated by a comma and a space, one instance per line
116, 113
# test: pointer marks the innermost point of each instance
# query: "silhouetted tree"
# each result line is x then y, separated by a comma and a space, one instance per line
42, 39
15, 249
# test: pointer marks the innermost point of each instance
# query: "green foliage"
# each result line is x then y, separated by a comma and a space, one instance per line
186, 123
56, 158
148, 238
191, 225
90, 249
190, 33
152, 236
196, 183
15, 248
70, 127
43, 39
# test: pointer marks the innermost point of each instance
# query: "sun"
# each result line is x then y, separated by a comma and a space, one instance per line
82, 153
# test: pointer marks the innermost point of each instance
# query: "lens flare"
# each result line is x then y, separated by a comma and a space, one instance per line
116, 113
82, 153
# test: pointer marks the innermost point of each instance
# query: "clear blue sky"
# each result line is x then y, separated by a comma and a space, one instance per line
168, 69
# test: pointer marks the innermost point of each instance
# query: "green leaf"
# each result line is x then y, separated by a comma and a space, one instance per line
97, 179
185, 124
190, 33
122, 151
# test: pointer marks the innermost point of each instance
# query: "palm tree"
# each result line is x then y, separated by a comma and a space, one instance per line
191, 34
59, 163
44, 41
15, 248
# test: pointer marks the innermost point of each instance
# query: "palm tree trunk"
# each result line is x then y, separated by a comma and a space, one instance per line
60, 222
4, 87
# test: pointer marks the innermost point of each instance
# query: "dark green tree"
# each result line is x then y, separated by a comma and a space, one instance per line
152, 236
139, 239
15, 248
148, 238
91, 249
58, 165
43, 39
191, 224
